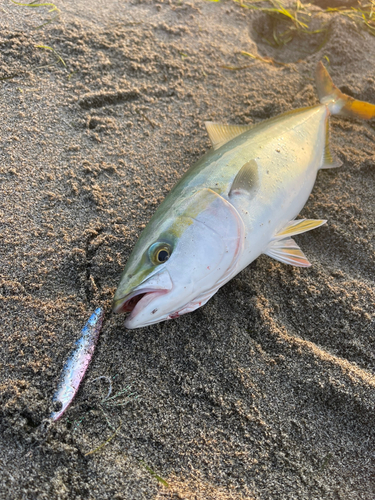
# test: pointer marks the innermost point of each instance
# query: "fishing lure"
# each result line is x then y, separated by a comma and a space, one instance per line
77, 363
237, 202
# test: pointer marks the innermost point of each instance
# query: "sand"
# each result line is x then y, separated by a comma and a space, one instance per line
268, 391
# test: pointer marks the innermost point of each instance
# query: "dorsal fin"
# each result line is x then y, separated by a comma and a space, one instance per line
246, 180
220, 133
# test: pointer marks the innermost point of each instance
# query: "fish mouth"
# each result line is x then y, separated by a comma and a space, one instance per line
157, 284
128, 305
138, 298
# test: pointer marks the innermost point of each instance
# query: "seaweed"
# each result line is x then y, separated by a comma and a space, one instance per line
296, 19
105, 442
35, 4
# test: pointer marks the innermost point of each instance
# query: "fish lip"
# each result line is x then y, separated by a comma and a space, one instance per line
140, 305
124, 304
159, 282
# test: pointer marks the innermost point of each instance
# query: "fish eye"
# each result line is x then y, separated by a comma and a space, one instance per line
162, 255
159, 253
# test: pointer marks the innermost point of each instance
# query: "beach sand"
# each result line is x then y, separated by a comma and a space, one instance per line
268, 391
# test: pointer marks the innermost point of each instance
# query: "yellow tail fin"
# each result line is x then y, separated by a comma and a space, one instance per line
339, 103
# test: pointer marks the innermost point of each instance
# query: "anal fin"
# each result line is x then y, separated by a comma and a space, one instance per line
288, 252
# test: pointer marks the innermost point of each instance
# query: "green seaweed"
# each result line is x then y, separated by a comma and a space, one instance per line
235, 68
153, 473
296, 19
268, 60
58, 57
105, 442
35, 4
364, 16
51, 8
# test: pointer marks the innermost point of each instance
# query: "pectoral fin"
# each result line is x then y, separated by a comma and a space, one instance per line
219, 133
288, 252
246, 180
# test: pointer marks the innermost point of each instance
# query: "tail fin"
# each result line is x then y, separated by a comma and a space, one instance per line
337, 102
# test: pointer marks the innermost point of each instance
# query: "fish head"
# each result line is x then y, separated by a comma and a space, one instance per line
187, 251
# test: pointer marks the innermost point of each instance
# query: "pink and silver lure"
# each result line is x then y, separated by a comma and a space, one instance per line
77, 363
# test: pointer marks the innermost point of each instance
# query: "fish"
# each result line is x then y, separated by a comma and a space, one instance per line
240, 200
77, 364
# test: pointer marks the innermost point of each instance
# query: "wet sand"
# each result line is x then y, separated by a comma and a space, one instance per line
268, 391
